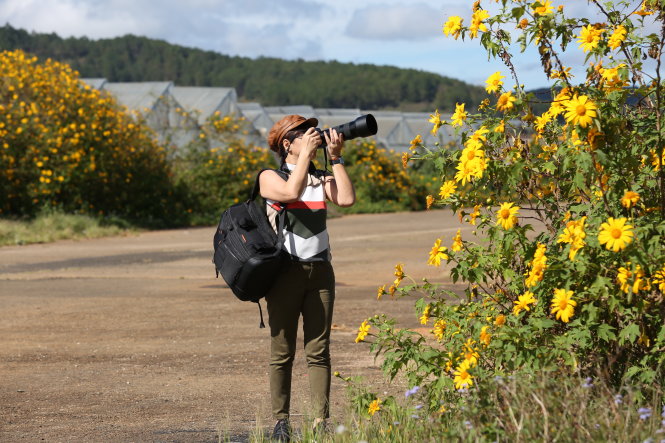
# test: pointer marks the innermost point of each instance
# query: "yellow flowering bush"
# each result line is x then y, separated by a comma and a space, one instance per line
569, 211
68, 146
218, 168
386, 181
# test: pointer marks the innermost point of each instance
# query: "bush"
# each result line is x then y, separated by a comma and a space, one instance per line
569, 277
65, 145
383, 179
219, 168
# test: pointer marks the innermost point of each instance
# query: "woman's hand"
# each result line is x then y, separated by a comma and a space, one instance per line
335, 143
311, 142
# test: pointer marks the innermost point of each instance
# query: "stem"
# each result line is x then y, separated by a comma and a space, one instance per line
660, 149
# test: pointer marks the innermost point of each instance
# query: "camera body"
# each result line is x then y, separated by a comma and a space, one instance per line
363, 126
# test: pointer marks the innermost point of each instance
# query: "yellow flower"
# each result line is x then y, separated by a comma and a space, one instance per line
477, 138
629, 199
500, 320
374, 407
459, 116
417, 141
380, 292
485, 337
574, 234
439, 328
474, 215
523, 302
477, 22
617, 37
405, 159
453, 26
644, 10
429, 200
563, 74
589, 38
615, 234
563, 305
505, 101
363, 330
437, 254
624, 277
541, 121
494, 82
435, 119
457, 242
507, 215
425, 317
542, 7
580, 111
659, 279
447, 189
501, 127
399, 274
462, 377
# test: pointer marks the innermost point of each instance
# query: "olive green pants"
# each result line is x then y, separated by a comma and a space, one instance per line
307, 289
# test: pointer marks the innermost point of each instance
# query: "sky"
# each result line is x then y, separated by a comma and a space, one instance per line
404, 33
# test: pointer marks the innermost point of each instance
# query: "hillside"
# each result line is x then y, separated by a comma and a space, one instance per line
270, 81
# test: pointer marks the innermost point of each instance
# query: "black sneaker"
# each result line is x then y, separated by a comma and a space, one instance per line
282, 431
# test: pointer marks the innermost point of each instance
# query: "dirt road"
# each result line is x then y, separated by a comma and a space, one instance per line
133, 339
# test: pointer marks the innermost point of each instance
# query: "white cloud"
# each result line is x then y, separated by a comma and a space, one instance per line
395, 22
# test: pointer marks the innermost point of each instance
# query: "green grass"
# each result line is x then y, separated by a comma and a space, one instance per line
52, 226
544, 408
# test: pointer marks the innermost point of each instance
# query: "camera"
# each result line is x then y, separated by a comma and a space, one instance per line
363, 126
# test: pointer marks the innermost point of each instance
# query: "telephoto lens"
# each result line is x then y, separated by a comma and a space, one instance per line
363, 126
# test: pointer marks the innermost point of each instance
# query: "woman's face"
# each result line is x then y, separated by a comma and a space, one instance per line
293, 142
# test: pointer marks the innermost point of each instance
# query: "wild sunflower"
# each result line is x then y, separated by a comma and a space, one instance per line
580, 111
457, 242
459, 116
448, 188
374, 407
453, 26
462, 377
437, 254
615, 234
494, 82
617, 37
563, 305
523, 302
507, 215
629, 199
363, 330
505, 101
589, 38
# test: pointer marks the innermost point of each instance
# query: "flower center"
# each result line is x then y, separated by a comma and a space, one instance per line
470, 155
616, 233
563, 304
505, 213
581, 109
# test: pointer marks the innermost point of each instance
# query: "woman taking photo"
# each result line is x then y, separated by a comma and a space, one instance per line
307, 284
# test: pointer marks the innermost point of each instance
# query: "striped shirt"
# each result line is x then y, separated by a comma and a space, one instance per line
305, 231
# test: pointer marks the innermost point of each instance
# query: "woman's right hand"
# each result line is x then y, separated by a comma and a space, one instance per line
311, 141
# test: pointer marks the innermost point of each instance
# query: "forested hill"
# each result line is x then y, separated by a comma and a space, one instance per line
270, 81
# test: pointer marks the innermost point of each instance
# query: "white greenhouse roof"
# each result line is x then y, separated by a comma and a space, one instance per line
205, 101
138, 96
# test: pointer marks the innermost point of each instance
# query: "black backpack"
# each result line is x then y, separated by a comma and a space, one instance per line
247, 251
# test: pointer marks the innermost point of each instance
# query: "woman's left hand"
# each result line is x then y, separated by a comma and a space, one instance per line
335, 143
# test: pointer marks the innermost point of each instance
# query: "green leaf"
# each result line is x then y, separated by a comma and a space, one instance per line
606, 333
630, 333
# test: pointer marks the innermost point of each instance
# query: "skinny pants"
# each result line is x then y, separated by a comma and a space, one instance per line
307, 289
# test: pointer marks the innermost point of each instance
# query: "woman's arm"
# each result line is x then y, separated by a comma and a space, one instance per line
339, 188
274, 187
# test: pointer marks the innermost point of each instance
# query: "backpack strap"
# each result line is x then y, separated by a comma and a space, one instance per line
262, 325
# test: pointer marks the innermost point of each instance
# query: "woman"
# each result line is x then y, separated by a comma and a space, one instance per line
307, 284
